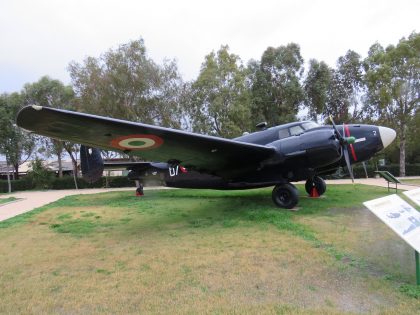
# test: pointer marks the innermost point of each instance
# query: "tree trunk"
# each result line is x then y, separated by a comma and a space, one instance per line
9, 183
60, 166
16, 166
402, 156
74, 163
58, 148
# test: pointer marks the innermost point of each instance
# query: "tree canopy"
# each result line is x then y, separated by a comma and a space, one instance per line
227, 98
15, 144
393, 86
220, 101
276, 89
125, 83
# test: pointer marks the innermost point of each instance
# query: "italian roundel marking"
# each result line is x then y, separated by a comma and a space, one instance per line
137, 142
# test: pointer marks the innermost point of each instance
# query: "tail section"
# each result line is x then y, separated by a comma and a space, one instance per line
91, 163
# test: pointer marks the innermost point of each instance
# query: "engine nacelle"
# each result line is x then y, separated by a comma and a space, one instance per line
91, 163
318, 148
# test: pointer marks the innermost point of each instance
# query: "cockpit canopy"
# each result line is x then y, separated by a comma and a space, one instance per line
297, 129
278, 132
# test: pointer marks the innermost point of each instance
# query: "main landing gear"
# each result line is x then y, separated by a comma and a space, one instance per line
285, 196
316, 183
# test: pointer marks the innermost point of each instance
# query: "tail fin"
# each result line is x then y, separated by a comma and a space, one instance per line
91, 163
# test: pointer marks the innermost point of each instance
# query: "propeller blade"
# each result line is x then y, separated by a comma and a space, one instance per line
347, 158
335, 129
364, 167
344, 142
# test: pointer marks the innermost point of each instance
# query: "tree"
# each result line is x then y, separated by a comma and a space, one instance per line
316, 87
220, 103
344, 92
124, 83
16, 145
39, 174
276, 89
53, 93
412, 144
338, 104
393, 83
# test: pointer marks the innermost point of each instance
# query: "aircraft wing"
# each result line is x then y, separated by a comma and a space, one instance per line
208, 154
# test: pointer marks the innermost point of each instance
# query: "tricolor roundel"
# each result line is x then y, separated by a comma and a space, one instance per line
137, 142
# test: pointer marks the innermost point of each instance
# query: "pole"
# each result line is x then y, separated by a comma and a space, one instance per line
417, 267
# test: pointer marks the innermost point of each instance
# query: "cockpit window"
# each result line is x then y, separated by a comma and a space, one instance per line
295, 130
309, 125
283, 133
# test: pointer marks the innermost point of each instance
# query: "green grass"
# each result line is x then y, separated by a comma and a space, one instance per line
411, 290
6, 200
203, 251
415, 182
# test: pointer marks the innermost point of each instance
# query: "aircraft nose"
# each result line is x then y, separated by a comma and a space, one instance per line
387, 135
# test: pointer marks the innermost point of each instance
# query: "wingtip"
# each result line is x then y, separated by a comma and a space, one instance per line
36, 107
25, 111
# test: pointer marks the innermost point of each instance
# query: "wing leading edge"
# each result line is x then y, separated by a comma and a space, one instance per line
203, 153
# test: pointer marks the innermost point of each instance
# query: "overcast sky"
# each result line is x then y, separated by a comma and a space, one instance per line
41, 37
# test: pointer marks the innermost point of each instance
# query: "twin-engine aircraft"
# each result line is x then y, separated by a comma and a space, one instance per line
275, 156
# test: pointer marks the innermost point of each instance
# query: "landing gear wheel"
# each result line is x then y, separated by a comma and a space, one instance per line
297, 190
316, 182
285, 196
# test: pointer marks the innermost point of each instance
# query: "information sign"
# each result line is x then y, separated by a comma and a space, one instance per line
413, 195
402, 218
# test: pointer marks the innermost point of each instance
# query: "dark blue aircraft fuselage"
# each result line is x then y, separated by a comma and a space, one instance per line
304, 150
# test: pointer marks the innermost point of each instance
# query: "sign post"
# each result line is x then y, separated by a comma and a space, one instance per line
417, 268
402, 218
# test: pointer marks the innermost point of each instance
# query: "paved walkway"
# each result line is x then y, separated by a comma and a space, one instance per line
373, 182
30, 200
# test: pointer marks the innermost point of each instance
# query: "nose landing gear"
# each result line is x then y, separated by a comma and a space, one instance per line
316, 183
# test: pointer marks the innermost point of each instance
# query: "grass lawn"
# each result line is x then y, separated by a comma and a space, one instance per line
7, 199
414, 181
201, 251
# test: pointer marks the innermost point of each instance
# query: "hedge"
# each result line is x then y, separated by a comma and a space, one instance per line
17, 185
359, 172
67, 182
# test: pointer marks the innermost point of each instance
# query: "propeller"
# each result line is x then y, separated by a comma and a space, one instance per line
364, 167
344, 141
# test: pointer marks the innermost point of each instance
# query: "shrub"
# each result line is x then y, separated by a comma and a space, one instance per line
40, 175
67, 182
25, 183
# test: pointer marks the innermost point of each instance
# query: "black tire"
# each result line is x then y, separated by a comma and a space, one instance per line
294, 187
285, 196
318, 183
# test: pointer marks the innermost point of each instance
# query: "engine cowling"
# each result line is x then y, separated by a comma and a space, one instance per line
92, 164
318, 148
